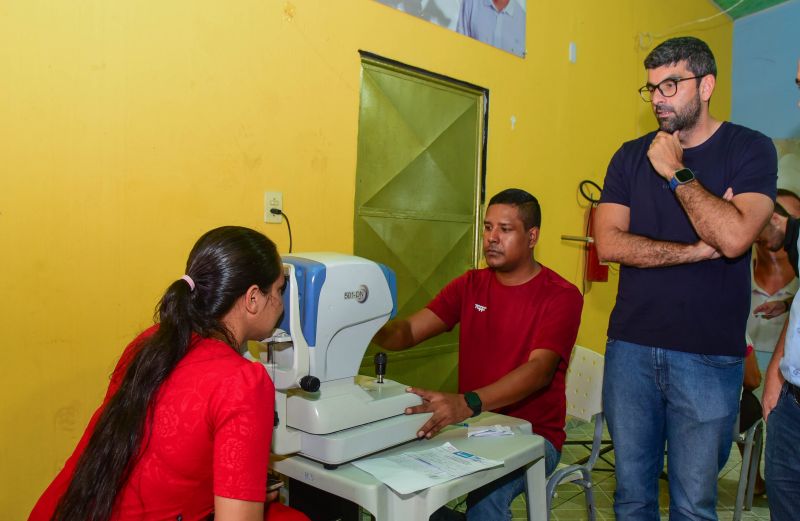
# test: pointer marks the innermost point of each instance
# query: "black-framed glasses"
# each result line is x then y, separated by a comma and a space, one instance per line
667, 88
797, 82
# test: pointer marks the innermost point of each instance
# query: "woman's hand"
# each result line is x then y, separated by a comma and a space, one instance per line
771, 309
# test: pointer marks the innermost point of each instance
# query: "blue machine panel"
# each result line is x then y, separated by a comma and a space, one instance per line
310, 277
391, 279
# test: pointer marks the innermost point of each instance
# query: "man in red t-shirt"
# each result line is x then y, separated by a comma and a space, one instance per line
519, 321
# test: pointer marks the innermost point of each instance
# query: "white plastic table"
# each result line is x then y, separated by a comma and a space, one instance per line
521, 450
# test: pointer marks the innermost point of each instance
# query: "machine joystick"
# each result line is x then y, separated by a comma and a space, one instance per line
309, 383
380, 367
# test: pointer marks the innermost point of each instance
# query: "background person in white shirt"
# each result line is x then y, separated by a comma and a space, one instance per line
774, 287
500, 23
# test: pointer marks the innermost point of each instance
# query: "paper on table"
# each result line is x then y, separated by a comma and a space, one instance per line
494, 430
412, 471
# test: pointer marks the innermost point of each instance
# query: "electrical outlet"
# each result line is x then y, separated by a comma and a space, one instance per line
273, 200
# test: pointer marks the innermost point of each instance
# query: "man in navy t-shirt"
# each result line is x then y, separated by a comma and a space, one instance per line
680, 209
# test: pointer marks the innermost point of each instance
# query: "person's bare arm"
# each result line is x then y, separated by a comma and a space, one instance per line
449, 408
535, 374
752, 374
227, 509
616, 244
773, 308
402, 333
730, 227
774, 378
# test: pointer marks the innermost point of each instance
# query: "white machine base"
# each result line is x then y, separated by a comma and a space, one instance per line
347, 445
347, 403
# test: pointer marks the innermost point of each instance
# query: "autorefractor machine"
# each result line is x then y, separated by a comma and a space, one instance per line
325, 410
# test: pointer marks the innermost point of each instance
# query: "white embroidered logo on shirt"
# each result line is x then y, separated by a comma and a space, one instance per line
480, 308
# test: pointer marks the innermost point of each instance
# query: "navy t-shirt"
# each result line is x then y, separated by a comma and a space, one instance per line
700, 307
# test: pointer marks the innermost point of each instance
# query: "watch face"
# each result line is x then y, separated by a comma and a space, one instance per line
684, 175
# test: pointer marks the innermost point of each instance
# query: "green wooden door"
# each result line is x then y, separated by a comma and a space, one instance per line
418, 196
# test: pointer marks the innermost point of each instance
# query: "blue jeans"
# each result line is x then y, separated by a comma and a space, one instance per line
782, 463
493, 501
653, 397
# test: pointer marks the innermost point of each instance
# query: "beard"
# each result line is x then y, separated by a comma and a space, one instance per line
495, 260
680, 119
771, 238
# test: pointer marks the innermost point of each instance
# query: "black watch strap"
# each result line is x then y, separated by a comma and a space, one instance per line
473, 402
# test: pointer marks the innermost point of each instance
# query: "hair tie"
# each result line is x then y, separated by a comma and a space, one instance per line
189, 281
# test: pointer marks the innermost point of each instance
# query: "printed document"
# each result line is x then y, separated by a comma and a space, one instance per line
412, 471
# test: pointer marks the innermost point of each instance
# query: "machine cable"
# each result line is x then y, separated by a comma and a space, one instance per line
278, 211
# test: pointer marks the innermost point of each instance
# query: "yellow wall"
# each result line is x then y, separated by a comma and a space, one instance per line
129, 128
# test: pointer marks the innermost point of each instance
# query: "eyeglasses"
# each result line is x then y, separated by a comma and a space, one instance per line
667, 88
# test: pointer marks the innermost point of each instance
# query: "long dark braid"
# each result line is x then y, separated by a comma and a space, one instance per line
223, 264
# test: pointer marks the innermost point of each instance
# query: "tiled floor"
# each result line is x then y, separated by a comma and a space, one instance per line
569, 505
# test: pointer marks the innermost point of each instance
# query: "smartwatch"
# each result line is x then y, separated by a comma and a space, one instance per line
681, 177
473, 402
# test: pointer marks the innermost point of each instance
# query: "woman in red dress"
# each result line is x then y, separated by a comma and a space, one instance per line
184, 431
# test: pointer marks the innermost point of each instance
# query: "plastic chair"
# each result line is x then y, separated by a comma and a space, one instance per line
584, 390
752, 439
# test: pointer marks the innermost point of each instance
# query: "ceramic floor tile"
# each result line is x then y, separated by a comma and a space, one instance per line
569, 504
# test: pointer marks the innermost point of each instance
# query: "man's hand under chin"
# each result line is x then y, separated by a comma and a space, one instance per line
666, 154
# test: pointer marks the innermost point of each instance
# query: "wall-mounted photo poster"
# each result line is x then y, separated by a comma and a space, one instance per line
500, 23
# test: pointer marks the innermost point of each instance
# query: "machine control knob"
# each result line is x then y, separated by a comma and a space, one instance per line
309, 383
380, 367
